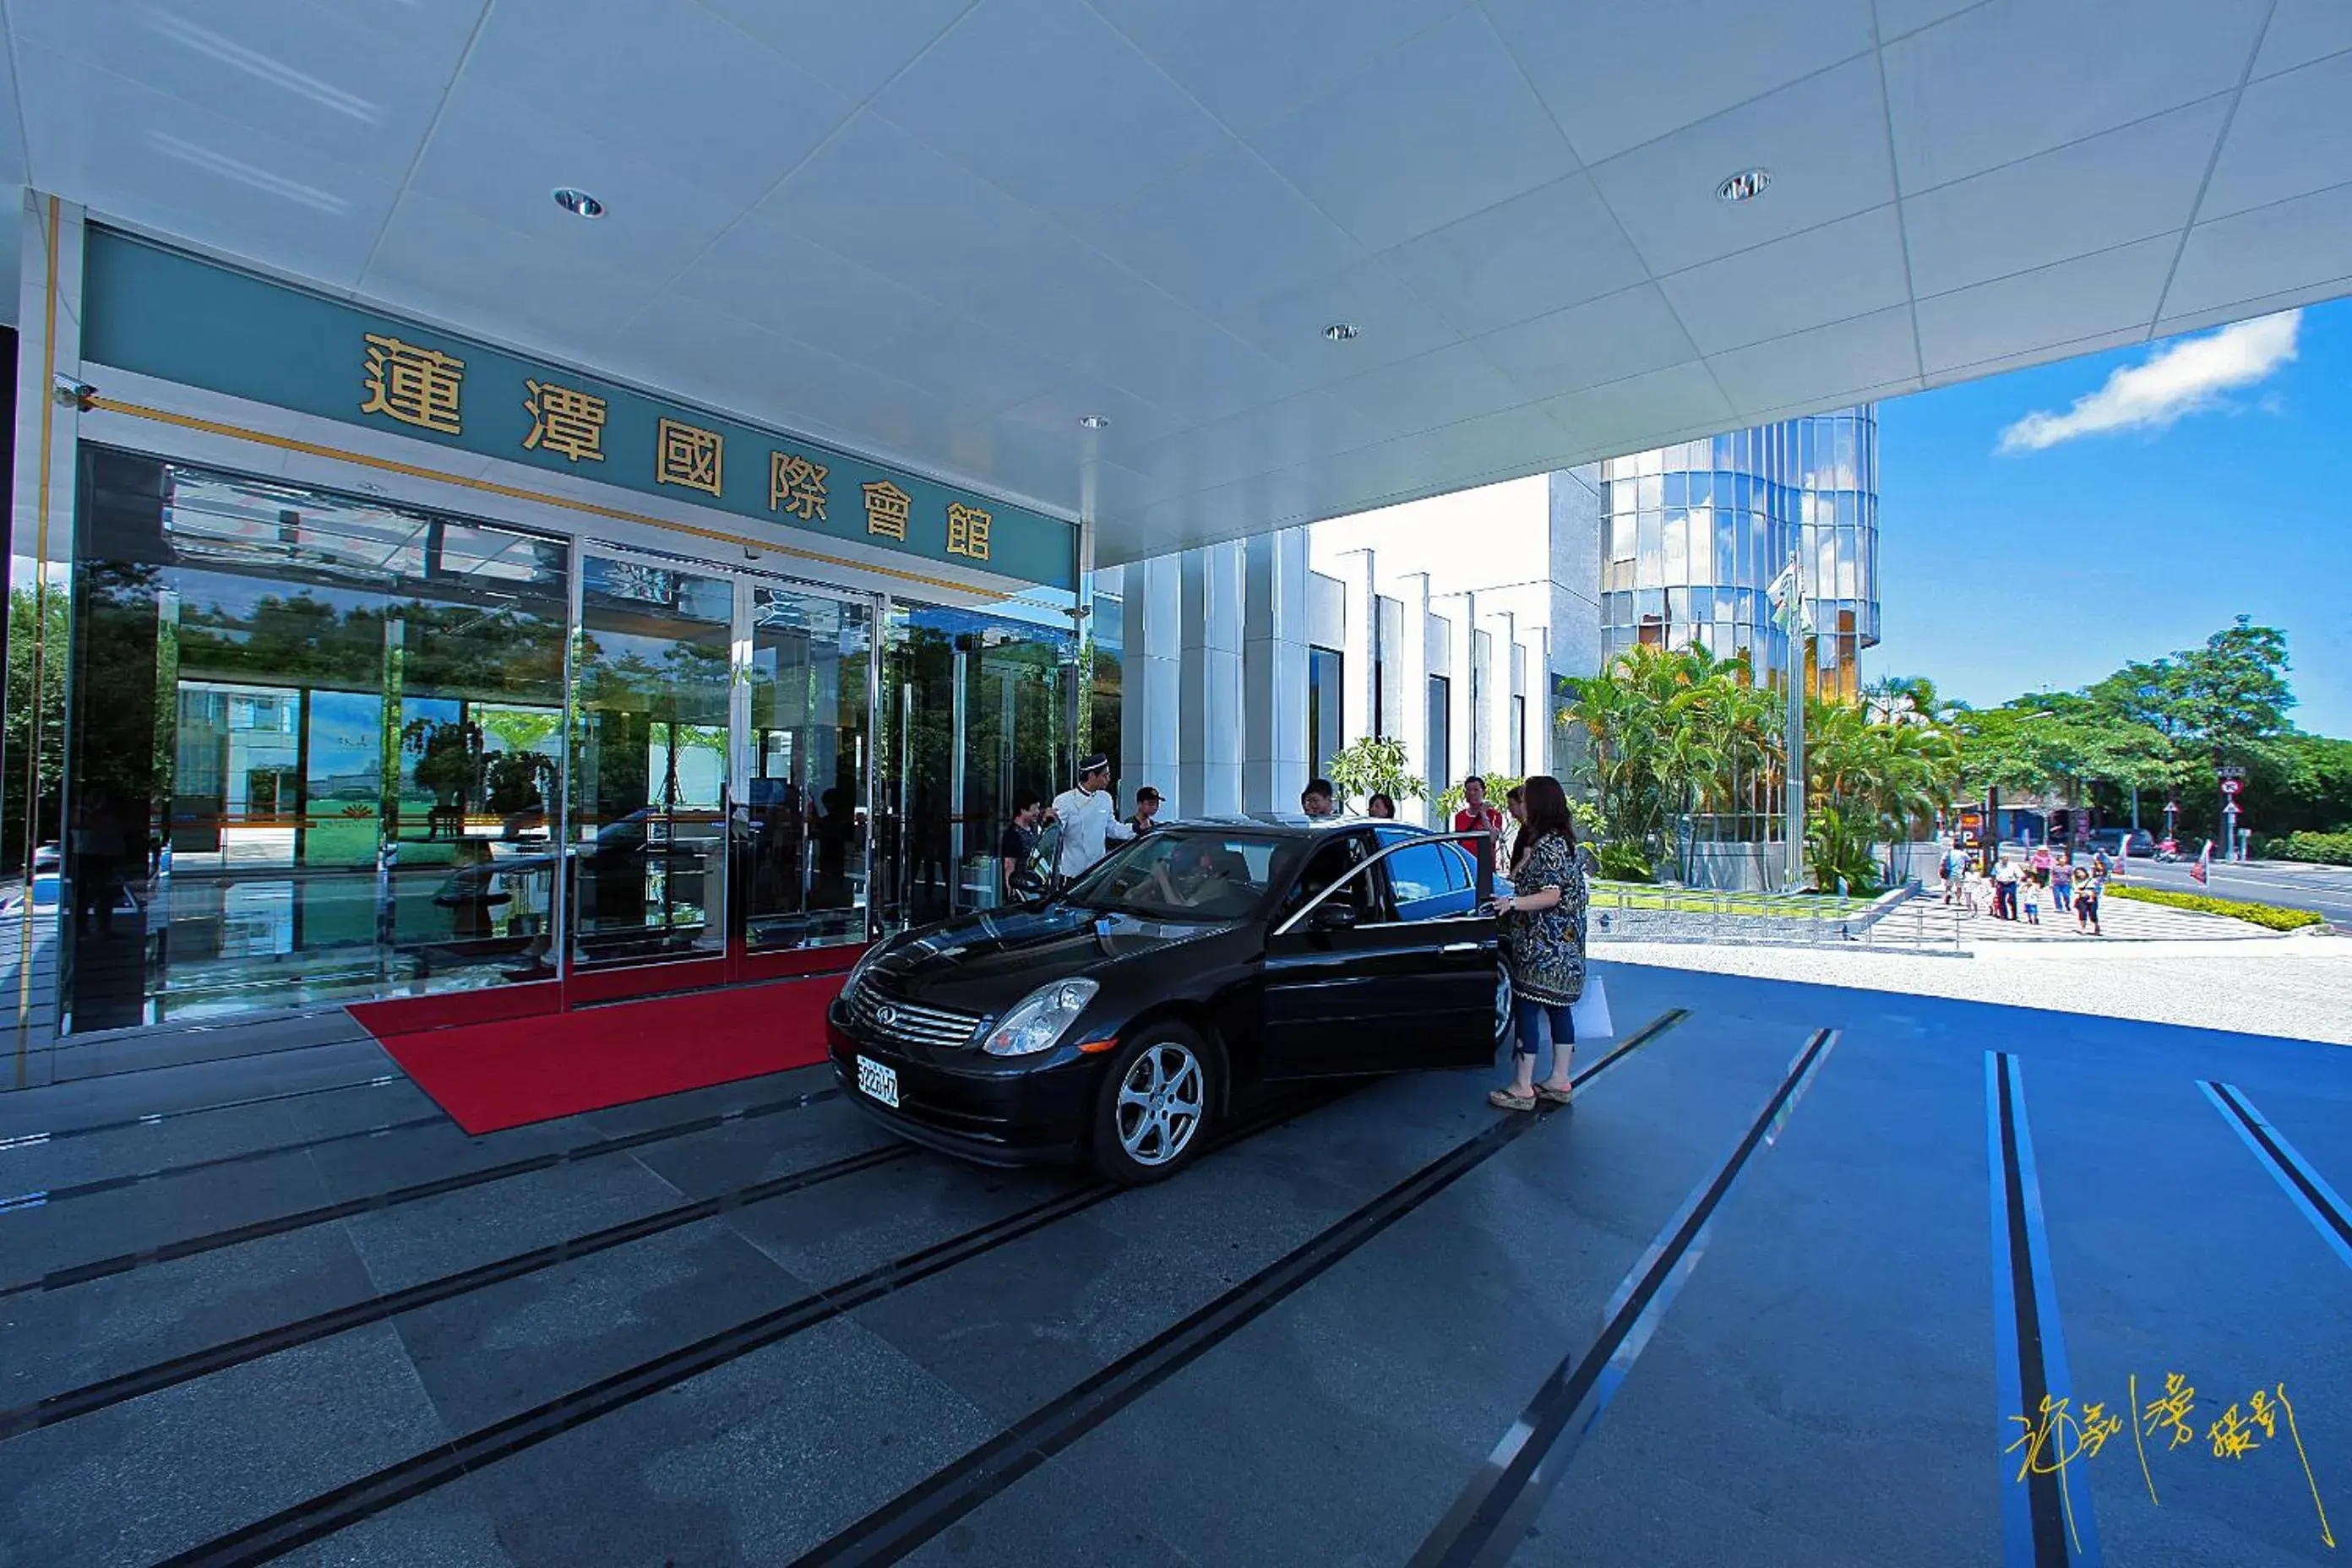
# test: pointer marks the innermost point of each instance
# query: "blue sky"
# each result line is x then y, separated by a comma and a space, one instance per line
2043, 527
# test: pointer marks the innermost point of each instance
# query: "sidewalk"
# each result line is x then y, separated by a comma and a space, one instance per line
2297, 987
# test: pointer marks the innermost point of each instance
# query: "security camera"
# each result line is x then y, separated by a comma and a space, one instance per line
72, 394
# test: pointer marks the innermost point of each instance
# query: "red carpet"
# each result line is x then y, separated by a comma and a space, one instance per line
501, 1074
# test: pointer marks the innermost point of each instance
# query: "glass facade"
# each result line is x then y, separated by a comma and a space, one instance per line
1694, 535
321, 747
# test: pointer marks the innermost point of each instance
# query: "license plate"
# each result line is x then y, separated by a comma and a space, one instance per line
880, 1081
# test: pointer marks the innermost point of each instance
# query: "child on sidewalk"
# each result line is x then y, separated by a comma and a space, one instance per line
2032, 893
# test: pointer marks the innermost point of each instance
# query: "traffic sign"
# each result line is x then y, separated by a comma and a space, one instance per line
2229, 770
2231, 786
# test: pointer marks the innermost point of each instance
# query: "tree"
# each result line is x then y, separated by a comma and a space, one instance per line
1372, 767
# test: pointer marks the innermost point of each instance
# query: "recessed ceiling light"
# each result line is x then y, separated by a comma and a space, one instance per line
1745, 185
1095, 421
1343, 331
579, 204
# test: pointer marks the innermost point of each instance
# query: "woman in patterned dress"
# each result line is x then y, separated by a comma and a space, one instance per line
1543, 947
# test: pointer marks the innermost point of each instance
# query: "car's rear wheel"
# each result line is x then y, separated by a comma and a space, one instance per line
1151, 1119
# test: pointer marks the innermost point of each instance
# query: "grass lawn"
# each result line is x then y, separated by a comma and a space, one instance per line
1780, 906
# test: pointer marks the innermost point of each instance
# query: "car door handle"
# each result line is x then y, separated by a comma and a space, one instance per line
1459, 947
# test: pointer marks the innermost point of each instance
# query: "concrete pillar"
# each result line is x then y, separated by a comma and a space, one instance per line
1461, 610
1208, 730
1359, 649
1275, 764
1542, 725
1495, 688
1408, 667
1151, 687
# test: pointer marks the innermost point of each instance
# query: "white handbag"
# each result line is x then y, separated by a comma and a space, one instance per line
1590, 1013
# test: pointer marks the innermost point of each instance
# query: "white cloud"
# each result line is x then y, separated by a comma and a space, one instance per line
2183, 378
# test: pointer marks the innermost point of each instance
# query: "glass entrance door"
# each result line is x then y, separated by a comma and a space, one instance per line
721, 750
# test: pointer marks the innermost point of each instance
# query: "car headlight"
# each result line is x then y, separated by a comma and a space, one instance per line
1040, 1020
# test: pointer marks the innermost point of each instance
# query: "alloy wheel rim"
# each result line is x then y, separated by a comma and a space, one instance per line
1160, 1097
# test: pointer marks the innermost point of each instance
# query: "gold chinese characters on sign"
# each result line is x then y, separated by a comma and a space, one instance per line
885, 510
414, 385
967, 530
797, 485
564, 421
689, 457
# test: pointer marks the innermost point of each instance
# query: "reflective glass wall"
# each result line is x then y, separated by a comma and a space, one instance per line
321, 749
1694, 535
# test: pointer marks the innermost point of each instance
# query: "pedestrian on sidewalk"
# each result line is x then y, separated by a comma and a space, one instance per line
2031, 891
2004, 889
1955, 867
2062, 881
2086, 901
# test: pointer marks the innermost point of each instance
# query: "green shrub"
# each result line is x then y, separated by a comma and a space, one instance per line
2322, 849
2269, 915
1625, 863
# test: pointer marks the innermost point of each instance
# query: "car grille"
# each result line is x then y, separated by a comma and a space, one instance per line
885, 1015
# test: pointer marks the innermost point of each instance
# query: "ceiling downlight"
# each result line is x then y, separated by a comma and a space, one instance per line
1745, 185
579, 204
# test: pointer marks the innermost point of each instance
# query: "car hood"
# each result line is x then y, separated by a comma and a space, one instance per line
986, 962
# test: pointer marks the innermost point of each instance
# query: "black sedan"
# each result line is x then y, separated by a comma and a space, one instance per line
1119, 1021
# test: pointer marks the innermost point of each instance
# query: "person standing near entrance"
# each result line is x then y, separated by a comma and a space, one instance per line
1318, 799
1476, 815
1088, 820
1020, 842
1146, 811
1543, 949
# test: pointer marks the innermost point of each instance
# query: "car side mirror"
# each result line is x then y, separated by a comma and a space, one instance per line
1333, 915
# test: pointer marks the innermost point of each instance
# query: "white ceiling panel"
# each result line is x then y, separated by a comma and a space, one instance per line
1558, 244
1822, 367
2108, 190
2249, 310
1617, 75
157, 162
2111, 291
2014, 77
943, 231
1428, 135
1849, 267
852, 48
768, 275
1047, 102
1602, 340
497, 282
975, 371
654, 224
2291, 244
734, 117
318, 81
2292, 135
1249, 63
2302, 31
1394, 321
2044, 354
1445, 387
1630, 416
1267, 237
1823, 139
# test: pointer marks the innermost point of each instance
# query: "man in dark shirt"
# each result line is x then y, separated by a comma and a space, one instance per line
1146, 811
1020, 841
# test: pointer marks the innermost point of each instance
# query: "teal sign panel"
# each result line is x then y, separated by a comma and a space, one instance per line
160, 313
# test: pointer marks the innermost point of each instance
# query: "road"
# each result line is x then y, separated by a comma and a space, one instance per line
2327, 889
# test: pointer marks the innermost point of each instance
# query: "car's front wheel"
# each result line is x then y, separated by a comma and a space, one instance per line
1152, 1116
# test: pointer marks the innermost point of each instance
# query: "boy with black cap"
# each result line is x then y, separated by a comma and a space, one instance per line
1089, 821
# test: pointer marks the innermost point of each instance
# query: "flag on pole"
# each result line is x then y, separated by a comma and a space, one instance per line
2203, 869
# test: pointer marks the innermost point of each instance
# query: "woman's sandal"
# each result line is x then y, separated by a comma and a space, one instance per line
1555, 1096
1505, 1099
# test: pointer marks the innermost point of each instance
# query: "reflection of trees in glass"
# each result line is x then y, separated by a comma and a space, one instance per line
34, 617
449, 763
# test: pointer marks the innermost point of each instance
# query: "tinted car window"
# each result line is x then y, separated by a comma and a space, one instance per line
1429, 882
1325, 865
1181, 876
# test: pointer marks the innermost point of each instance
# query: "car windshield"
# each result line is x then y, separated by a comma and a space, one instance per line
1188, 876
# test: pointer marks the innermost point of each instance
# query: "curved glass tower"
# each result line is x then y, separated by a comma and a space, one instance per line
1693, 536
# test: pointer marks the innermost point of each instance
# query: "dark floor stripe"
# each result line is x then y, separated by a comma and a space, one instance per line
42, 1198
1491, 1517
156, 1118
904, 1523
95, 1396
82, 1273
2320, 1203
2046, 1522
348, 1505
